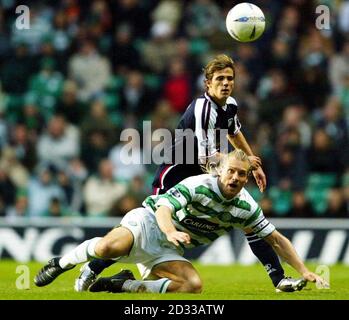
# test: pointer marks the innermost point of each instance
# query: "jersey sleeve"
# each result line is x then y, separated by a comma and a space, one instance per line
204, 129
259, 224
234, 126
175, 198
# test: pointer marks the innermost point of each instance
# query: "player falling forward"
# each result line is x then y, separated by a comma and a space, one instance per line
195, 212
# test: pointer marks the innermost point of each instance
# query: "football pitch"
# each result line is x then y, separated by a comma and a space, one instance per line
220, 283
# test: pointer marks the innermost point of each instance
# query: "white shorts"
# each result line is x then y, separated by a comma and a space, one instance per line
150, 246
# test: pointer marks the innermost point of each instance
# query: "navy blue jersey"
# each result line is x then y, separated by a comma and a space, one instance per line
208, 124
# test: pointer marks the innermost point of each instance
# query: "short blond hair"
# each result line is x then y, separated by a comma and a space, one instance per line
238, 154
219, 62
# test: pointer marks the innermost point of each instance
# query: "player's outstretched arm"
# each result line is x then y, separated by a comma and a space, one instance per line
284, 248
163, 218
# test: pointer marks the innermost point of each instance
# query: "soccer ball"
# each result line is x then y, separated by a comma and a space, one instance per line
245, 22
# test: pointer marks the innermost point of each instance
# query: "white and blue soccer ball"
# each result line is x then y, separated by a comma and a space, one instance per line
245, 22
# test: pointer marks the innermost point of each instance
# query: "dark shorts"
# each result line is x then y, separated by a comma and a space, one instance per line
168, 175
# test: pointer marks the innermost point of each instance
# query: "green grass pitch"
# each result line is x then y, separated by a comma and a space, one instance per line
220, 283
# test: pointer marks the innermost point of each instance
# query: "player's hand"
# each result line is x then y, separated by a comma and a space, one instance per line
260, 178
177, 236
313, 277
255, 162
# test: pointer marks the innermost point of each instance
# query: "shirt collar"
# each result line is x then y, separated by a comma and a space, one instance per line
214, 104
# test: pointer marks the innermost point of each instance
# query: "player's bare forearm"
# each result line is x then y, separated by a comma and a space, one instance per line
284, 248
163, 218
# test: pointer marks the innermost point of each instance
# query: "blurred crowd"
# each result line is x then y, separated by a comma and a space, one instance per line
87, 69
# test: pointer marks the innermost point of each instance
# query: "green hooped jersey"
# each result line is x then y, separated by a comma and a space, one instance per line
199, 208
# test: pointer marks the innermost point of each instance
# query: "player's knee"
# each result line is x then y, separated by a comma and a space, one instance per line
105, 249
193, 285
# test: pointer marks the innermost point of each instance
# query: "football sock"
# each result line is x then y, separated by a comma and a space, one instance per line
80, 254
98, 265
267, 256
154, 286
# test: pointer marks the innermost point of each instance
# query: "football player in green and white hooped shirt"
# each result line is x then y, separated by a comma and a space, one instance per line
196, 211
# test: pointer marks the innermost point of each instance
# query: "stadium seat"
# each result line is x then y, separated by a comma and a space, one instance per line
317, 188
281, 200
153, 81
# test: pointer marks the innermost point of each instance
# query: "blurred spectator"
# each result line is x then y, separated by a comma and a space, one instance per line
133, 198
41, 190
40, 27
61, 34
23, 63
20, 208
281, 55
72, 193
7, 190
78, 174
23, 146
336, 206
289, 169
274, 95
137, 99
248, 55
169, 11
124, 55
69, 105
201, 18
160, 48
16, 171
267, 206
46, 86
59, 143
56, 209
32, 117
343, 12
94, 149
338, 67
101, 191
293, 120
313, 83
164, 116
98, 120
3, 123
288, 26
177, 89
93, 79
301, 207
343, 96
331, 119
325, 156
127, 160
132, 12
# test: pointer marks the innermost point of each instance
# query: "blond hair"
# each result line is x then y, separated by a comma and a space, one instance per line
215, 168
219, 62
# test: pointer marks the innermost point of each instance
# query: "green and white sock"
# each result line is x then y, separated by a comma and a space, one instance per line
154, 286
80, 254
